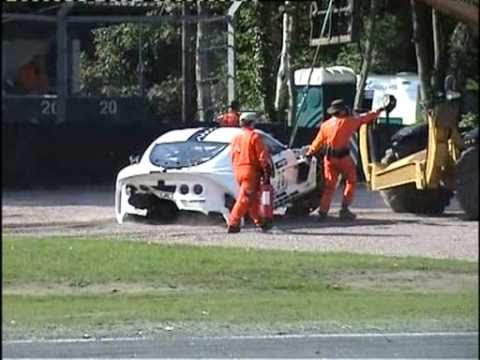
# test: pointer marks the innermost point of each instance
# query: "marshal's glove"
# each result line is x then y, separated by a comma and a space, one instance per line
267, 173
306, 152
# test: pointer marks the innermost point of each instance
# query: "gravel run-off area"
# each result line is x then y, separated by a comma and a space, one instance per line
84, 211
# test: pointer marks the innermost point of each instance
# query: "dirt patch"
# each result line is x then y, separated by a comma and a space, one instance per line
399, 281
85, 288
407, 280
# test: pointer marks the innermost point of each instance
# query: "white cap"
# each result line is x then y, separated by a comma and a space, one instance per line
247, 118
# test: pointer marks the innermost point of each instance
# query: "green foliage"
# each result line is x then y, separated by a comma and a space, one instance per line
463, 54
247, 92
390, 53
469, 121
350, 56
165, 97
114, 68
472, 85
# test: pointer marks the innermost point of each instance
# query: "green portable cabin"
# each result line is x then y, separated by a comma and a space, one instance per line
311, 103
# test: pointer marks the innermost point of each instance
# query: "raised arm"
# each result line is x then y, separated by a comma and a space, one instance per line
317, 143
368, 117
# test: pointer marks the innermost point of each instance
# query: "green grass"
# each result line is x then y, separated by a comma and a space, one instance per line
99, 261
215, 284
243, 307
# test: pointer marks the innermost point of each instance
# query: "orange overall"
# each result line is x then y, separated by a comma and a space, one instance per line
250, 159
335, 134
230, 119
31, 79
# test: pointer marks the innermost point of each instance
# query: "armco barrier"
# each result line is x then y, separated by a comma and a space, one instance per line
34, 155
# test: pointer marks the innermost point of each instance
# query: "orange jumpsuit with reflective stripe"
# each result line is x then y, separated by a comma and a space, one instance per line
336, 133
230, 119
250, 159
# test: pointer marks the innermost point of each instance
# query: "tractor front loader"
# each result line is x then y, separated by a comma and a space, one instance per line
424, 181
428, 163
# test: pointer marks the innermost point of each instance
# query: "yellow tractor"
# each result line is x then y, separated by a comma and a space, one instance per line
424, 179
429, 163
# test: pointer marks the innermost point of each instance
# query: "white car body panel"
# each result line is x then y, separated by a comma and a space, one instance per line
214, 175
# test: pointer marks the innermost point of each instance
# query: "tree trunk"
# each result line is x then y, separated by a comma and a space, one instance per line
367, 57
460, 10
199, 66
420, 37
281, 67
440, 56
288, 73
283, 74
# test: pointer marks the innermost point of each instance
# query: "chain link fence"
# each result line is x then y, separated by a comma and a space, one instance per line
110, 84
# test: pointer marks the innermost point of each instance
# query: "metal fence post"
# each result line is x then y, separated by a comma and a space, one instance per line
62, 52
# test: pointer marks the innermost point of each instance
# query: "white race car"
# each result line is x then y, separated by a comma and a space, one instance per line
190, 170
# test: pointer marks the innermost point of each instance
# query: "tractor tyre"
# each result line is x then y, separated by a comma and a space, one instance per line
466, 179
407, 198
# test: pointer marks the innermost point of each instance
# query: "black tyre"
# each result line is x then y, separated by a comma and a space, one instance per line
466, 178
300, 209
407, 198
163, 211
307, 203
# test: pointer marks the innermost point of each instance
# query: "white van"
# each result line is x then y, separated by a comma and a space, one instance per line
404, 86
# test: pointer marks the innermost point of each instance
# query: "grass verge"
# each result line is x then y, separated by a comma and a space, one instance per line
77, 282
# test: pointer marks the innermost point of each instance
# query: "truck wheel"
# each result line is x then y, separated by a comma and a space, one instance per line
406, 198
466, 179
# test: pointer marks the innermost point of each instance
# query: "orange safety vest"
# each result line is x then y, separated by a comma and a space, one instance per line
249, 149
230, 119
337, 131
32, 80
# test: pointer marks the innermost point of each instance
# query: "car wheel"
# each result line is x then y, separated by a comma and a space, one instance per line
163, 211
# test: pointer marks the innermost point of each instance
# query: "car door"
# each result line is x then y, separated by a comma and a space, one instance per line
285, 167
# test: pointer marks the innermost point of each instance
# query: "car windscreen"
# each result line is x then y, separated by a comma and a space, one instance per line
184, 154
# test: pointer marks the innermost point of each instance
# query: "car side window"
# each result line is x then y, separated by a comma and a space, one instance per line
273, 146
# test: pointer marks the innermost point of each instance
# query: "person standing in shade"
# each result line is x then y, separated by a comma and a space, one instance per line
232, 117
32, 77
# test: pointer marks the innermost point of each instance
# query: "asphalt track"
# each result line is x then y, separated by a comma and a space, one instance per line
374, 345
